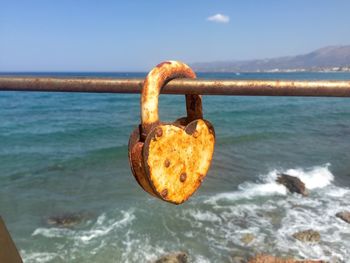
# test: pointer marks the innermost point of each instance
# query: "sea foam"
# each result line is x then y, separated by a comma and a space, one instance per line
315, 177
276, 219
219, 222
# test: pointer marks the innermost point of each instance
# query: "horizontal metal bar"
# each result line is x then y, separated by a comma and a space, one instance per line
322, 88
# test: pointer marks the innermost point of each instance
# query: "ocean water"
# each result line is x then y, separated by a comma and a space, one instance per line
67, 154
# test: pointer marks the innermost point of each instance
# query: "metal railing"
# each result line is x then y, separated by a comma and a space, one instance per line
322, 88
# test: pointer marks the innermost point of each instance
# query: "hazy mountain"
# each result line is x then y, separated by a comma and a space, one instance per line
328, 57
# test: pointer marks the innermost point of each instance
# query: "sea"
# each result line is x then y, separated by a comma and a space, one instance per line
66, 155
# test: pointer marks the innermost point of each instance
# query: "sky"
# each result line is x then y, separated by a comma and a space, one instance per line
135, 35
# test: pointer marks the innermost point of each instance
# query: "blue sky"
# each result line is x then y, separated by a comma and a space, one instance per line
77, 35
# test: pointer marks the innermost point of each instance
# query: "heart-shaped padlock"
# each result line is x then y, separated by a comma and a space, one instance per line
170, 160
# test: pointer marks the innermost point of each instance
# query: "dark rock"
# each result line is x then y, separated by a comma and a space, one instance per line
308, 236
66, 220
272, 259
293, 184
175, 257
344, 215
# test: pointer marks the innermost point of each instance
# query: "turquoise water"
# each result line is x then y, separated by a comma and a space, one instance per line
67, 153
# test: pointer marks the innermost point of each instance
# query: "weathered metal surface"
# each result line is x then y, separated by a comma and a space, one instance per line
8, 250
322, 88
177, 162
170, 161
155, 80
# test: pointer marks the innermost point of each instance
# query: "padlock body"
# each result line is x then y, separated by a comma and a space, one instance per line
174, 159
136, 161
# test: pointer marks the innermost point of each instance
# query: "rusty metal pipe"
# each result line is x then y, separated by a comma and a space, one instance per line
334, 88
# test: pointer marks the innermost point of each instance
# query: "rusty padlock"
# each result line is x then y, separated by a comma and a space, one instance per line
170, 160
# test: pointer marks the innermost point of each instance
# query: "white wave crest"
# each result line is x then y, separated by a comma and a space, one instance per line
277, 218
103, 229
38, 257
315, 177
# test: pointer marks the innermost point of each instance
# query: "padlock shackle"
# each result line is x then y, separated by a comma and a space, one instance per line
154, 82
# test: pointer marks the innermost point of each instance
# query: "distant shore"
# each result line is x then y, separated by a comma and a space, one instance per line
277, 70
325, 70
327, 59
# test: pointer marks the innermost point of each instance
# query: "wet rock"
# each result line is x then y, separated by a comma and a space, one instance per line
272, 259
238, 259
66, 220
247, 238
344, 215
293, 184
308, 236
175, 257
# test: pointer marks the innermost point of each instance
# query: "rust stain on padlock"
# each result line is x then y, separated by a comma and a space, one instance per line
183, 177
170, 160
167, 163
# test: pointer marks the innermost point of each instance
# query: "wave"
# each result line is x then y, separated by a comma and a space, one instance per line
211, 228
101, 228
92, 240
38, 257
315, 177
276, 217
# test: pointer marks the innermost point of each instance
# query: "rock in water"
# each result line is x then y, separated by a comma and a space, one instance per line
293, 184
307, 236
176, 257
247, 238
238, 259
66, 220
272, 259
344, 215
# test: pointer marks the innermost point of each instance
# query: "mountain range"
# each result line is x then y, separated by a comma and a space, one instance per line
331, 58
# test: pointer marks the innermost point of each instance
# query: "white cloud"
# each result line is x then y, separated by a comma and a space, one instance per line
219, 18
